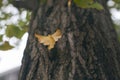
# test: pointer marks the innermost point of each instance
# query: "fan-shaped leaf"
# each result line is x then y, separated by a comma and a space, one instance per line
96, 6
13, 30
83, 3
50, 39
6, 46
88, 4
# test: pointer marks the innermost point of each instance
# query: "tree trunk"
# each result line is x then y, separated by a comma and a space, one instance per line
88, 49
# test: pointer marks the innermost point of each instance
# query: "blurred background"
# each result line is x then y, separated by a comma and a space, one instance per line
13, 35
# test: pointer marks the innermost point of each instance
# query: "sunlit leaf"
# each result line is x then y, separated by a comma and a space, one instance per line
88, 4
96, 6
13, 30
6, 46
28, 16
23, 26
50, 39
21, 23
83, 3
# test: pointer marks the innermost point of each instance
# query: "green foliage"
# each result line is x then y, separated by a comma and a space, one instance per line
6, 16
10, 28
5, 46
97, 6
117, 1
1, 37
83, 3
0, 3
13, 30
88, 4
115, 5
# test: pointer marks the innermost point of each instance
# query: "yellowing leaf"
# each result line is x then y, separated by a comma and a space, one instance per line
50, 39
57, 35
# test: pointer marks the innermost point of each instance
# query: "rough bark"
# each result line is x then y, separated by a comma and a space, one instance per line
88, 49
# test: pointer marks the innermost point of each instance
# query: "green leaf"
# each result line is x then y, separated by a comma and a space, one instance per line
83, 3
1, 37
6, 15
88, 4
1, 3
21, 23
117, 1
13, 30
28, 16
97, 6
6, 46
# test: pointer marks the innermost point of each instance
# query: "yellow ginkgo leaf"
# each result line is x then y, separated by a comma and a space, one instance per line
50, 39
57, 35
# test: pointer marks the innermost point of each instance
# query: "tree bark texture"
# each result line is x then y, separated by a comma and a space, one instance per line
88, 49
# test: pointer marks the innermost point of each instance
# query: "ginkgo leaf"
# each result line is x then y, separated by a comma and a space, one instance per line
13, 30
83, 3
50, 39
6, 46
57, 35
88, 4
97, 6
